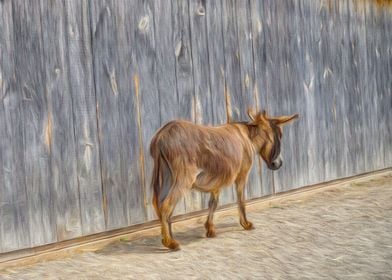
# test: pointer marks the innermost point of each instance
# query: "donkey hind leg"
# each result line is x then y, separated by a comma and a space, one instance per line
212, 204
166, 211
240, 185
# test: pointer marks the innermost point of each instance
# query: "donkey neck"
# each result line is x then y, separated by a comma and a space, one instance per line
252, 134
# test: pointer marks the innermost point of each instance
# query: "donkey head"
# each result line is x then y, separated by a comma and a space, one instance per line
266, 135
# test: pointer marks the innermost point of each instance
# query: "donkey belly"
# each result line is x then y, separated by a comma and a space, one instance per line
208, 182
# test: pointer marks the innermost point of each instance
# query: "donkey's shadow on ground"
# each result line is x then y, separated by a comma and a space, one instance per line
153, 245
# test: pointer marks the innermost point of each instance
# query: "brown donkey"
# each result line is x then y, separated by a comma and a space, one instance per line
188, 156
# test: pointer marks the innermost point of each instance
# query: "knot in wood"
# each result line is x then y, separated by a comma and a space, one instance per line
201, 11
144, 24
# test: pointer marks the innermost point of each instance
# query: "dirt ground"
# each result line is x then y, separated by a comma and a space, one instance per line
340, 233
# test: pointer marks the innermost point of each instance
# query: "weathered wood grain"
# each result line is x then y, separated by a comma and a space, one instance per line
295, 137
165, 61
185, 81
35, 122
166, 65
388, 85
14, 219
232, 59
284, 58
216, 62
329, 75
201, 73
348, 122
82, 88
247, 98
379, 55
146, 90
60, 132
370, 97
357, 86
260, 52
232, 63
117, 117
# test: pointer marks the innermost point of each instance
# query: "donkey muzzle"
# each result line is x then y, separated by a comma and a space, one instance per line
276, 164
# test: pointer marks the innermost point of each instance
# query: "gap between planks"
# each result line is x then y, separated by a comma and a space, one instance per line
98, 241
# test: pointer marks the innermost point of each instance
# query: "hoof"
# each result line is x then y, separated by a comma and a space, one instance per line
248, 226
211, 233
171, 244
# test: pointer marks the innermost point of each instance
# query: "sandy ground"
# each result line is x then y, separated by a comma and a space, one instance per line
341, 233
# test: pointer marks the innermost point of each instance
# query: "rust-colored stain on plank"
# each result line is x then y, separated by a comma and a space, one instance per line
383, 3
141, 153
48, 132
256, 96
228, 105
359, 5
103, 188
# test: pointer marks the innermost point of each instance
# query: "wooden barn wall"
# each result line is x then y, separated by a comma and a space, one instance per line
85, 84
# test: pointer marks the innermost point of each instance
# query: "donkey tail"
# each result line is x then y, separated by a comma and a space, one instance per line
156, 182
161, 176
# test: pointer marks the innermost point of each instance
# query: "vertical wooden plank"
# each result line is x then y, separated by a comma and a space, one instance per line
216, 61
388, 85
145, 84
297, 81
109, 126
382, 71
260, 52
292, 60
348, 112
335, 77
232, 60
247, 75
358, 72
14, 223
184, 75
274, 79
82, 88
35, 121
112, 30
232, 63
310, 85
201, 75
166, 63
329, 17
129, 102
60, 132
371, 94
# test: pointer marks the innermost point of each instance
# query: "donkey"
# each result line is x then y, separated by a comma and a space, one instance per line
189, 156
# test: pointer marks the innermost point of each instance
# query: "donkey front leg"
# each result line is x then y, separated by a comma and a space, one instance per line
240, 185
212, 204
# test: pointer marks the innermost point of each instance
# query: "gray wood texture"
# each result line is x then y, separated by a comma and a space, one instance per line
33, 122
185, 82
201, 75
247, 96
118, 108
15, 222
259, 34
82, 87
146, 90
85, 84
60, 131
216, 61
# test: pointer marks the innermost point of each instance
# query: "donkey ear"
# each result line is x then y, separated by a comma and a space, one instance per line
263, 116
252, 114
283, 120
